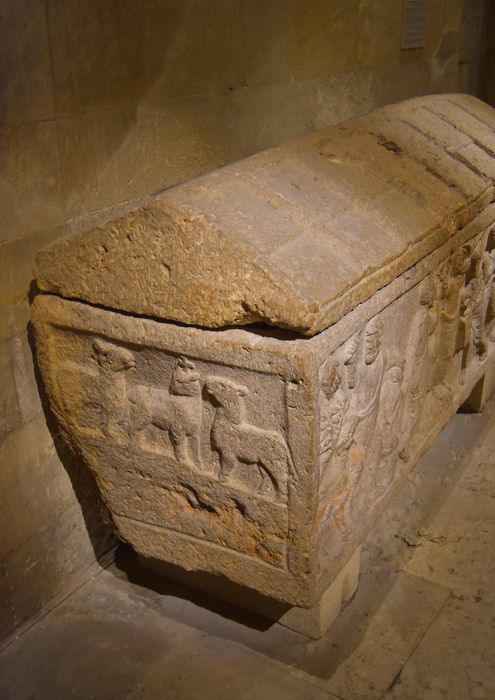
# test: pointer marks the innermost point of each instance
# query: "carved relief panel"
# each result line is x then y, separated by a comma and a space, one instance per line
263, 457
190, 446
388, 390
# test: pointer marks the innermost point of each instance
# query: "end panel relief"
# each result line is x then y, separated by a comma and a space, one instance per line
195, 447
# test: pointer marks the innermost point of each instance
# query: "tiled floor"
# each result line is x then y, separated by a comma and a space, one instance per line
421, 626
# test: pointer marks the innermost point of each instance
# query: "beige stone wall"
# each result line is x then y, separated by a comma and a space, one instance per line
476, 43
102, 102
488, 66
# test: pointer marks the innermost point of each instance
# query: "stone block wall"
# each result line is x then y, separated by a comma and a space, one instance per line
488, 65
474, 47
102, 103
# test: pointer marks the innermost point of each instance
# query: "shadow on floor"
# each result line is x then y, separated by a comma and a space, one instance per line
382, 581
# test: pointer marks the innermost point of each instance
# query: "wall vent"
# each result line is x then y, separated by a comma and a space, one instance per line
414, 24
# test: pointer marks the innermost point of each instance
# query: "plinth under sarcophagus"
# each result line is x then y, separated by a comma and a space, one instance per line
252, 363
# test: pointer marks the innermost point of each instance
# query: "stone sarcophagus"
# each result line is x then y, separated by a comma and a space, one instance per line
251, 363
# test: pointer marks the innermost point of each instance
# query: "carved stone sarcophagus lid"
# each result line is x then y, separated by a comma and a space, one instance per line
252, 362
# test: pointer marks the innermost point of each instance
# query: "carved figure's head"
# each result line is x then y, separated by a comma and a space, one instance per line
372, 340
113, 357
185, 363
487, 267
460, 261
185, 380
427, 293
473, 287
490, 241
332, 379
438, 287
226, 394
396, 374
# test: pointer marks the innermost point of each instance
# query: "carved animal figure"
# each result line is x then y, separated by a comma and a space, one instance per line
114, 362
176, 411
239, 442
132, 407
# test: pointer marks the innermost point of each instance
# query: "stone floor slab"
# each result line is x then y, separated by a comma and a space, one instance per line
94, 645
456, 658
362, 652
106, 643
375, 643
421, 625
456, 547
463, 454
208, 668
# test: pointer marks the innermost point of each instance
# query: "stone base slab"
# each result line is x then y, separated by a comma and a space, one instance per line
315, 621
311, 622
482, 392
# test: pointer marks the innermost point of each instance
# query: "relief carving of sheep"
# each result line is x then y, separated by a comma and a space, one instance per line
176, 411
241, 443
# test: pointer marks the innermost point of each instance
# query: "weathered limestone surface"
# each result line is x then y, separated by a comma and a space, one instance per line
256, 453
295, 236
266, 458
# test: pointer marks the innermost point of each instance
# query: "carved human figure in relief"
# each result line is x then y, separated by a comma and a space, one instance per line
241, 444
450, 280
391, 409
474, 303
490, 312
490, 284
365, 363
337, 434
417, 376
488, 289
334, 411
